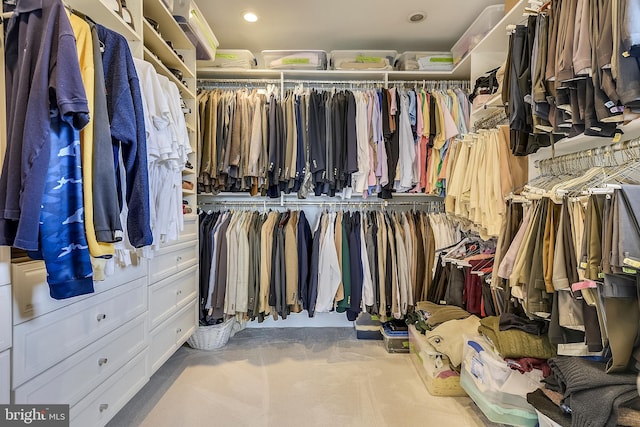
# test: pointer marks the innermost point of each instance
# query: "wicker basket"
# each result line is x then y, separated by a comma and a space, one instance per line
211, 337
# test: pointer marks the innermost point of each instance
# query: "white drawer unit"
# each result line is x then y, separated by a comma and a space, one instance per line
32, 299
105, 401
170, 335
5, 317
73, 378
5, 377
46, 340
169, 295
172, 259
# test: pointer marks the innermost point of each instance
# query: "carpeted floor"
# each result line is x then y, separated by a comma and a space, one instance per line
285, 377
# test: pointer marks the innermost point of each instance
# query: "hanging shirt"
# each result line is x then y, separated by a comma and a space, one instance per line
42, 72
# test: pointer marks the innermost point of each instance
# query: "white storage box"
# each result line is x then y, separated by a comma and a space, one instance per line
295, 59
484, 372
363, 59
425, 61
235, 59
488, 19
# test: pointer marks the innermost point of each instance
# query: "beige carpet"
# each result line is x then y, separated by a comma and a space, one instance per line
285, 377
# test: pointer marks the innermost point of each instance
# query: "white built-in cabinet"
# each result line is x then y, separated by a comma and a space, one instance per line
95, 352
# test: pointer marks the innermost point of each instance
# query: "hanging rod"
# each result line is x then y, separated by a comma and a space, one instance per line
591, 153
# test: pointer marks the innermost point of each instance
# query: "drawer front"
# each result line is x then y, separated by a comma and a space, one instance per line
5, 317
5, 377
31, 293
171, 259
167, 295
105, 401
186, 324
73, 378
170, 334
38, 343
5, 265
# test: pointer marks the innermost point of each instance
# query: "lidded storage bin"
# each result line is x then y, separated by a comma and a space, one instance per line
363, 59
295, 59
235, 58
488, 19
425, 61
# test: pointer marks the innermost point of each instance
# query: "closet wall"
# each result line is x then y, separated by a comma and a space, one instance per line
489, 53
96, 351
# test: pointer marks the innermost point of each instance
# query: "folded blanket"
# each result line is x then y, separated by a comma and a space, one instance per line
514, 343
441, 313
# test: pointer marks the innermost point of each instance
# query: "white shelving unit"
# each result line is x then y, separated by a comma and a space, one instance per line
95, 352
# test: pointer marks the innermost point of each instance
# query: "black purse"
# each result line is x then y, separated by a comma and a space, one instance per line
486, 84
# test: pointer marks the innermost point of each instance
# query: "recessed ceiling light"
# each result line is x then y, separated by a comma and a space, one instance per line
416, 17
250, 17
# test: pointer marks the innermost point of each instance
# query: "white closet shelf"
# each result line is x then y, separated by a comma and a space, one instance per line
190, 217
103, 14
495, 41
188, 172
162, 69
459, 73
168, 27
188, 192
494, 102
583, 142
154, 42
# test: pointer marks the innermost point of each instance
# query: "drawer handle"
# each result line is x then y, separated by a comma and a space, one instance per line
179, 330
101, 317
104, 407
179, 258
102, 361
178, 292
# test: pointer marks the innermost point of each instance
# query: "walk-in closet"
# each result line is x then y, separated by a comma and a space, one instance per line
362, 213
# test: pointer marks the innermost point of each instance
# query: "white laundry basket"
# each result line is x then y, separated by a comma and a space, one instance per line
212, 337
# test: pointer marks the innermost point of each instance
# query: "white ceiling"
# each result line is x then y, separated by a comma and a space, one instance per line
340, 24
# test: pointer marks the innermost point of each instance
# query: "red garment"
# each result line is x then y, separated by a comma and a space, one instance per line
528, 364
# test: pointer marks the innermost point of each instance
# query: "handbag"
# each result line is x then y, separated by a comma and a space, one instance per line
487, 84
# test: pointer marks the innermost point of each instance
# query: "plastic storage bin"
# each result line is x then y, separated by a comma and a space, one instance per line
363, 59
368, 327
544, 421
425, 61
495, 412
295, 59
433, 367
395, 341
503, 390
235, 59
488, 19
